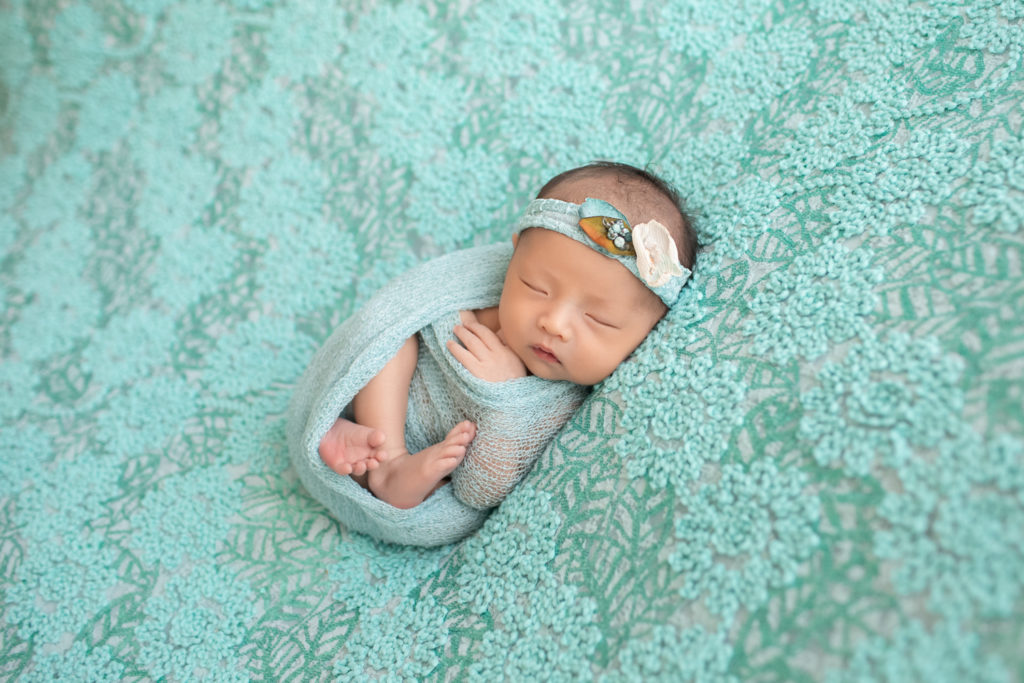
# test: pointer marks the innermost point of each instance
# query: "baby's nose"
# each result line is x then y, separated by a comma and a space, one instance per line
555, 321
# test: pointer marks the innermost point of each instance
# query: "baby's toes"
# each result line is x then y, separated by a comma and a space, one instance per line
340, 466
454, 453
376, 439
462, 433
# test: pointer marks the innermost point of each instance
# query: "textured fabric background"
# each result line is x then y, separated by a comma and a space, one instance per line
812, 470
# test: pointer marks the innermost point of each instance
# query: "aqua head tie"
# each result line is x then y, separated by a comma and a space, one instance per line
647, 249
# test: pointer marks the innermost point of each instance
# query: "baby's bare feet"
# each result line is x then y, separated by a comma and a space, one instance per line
350, 448
405, 481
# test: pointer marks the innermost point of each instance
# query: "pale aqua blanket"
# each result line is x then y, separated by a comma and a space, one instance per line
812, 470
425, 301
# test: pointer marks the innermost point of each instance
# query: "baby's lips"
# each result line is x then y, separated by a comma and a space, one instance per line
544, 353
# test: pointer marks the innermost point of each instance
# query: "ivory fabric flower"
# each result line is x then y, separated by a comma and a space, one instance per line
656, 256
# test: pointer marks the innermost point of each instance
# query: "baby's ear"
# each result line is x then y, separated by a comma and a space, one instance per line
515, 239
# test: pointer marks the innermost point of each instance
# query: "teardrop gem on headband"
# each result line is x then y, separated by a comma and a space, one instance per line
607, 227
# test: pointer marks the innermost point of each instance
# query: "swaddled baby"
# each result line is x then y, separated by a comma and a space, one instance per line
598, 259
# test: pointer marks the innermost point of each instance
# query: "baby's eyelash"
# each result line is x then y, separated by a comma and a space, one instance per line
603, 323
533, 287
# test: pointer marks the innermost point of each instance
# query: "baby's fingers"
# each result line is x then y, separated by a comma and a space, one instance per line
487, 336
472, 339
463, 355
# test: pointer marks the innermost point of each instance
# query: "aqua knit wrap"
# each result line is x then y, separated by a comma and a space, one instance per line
515, 419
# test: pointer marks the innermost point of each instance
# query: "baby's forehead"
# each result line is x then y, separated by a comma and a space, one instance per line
603, 278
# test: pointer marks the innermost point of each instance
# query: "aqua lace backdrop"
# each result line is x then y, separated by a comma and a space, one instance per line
812, 469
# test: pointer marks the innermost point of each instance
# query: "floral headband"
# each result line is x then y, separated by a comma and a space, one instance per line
647, 249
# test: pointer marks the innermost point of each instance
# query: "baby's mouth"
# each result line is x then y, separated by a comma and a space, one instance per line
545, 354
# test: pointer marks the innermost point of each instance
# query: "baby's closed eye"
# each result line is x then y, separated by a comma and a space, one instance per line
534, 286
603, 321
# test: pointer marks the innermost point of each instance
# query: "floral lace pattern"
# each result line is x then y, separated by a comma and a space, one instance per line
812, 469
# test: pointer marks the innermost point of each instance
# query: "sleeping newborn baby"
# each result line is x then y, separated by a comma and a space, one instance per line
598, 259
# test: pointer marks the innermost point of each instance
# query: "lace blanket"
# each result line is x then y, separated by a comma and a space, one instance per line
810, 471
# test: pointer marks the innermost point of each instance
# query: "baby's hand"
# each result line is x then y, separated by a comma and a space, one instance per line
483, 352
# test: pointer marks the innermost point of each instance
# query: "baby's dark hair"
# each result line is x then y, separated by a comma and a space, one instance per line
683, 233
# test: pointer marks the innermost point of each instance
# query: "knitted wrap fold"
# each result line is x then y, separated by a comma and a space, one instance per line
515, 419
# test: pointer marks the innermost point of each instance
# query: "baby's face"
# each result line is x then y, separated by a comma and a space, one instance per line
570, 313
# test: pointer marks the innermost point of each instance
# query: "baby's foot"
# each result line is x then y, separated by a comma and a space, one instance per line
405, 481
350, 448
